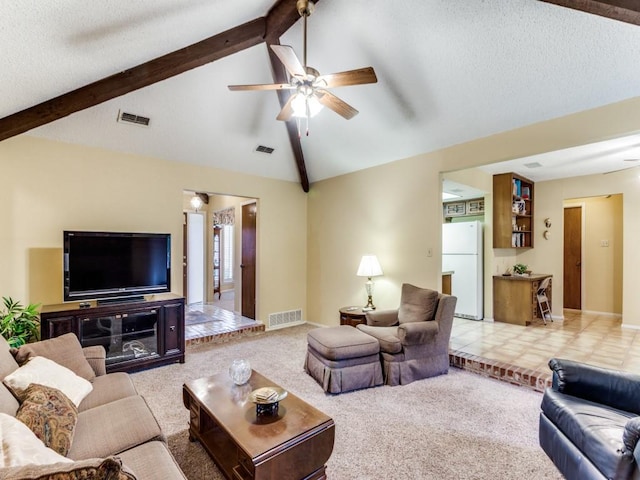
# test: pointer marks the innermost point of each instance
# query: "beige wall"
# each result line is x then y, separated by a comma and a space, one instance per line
394, 211
50, 186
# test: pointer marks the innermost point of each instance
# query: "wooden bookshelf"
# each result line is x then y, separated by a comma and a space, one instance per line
513, 214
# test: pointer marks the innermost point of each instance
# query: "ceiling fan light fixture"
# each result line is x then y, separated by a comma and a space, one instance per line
305, 106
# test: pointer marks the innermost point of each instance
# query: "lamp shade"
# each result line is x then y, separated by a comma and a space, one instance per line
369, 266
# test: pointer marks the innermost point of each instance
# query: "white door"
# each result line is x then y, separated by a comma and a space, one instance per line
195, 253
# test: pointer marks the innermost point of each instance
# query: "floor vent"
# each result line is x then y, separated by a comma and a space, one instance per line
285, 318
133, 118
263, 149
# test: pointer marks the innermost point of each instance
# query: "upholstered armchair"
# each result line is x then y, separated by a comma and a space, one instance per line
414, 339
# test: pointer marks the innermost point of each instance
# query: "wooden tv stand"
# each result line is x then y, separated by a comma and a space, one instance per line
135, 335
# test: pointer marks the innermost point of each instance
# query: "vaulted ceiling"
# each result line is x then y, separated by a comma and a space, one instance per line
448, 72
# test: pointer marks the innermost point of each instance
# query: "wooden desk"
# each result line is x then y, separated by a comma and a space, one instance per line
514, 298
294, 444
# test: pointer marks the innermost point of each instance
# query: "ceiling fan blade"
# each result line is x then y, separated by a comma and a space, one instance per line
352, 77
265, 86
287, 111
289, 59
332, 102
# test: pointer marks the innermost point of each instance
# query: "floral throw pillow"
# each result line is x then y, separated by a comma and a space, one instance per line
110, 468
51, 415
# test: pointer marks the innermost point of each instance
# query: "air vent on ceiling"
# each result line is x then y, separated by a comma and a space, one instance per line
533, 165
263, 149
133, 118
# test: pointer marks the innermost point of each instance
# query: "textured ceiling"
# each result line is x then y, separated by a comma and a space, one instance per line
448, 72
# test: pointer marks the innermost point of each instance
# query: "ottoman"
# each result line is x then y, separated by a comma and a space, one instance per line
343, 358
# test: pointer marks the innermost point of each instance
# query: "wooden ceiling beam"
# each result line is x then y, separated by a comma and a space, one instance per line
279, 74
623, 10
280, 18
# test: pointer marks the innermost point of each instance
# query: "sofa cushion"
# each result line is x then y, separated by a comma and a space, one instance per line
93, 469
65, 350
108, 388
20, 445
50, 415
417, 304
46, 372
596, 430
7, 363
120, 425
152, 461
387, 337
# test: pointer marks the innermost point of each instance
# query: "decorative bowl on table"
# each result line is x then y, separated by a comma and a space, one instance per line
267, 400
240, 371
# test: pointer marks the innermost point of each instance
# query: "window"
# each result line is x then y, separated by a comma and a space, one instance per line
227, 253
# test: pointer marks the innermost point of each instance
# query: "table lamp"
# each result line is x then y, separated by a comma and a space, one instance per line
369, 267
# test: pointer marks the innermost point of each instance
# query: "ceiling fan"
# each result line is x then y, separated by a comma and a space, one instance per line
310, 87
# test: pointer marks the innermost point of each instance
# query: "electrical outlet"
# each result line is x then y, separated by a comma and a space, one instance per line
604, 243
429, 252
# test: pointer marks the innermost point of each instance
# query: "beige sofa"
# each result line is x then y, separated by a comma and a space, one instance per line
113, 421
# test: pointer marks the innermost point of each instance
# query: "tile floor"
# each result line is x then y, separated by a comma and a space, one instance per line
211, 323
520, 354
508, 352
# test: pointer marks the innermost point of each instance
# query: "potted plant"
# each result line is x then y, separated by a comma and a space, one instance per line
520, 268
19, 324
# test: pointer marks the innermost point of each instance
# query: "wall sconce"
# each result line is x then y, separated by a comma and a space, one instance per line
547, 233
369, 267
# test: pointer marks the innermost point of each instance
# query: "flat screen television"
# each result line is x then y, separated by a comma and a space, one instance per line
115, 265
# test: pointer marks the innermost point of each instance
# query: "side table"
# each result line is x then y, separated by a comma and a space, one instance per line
352, 316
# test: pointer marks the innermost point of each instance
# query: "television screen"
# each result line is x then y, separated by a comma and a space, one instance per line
111, 264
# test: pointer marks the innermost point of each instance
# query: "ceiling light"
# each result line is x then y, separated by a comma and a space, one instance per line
305, 105
449, 196
533, 165
196, 202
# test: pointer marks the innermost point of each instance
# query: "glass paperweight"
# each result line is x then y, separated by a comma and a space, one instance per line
240, 371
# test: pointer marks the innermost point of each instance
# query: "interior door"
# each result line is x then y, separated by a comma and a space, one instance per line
185, 239
195, 255
573, 258
248, 265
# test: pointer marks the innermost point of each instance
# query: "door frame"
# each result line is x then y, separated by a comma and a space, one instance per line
583, 269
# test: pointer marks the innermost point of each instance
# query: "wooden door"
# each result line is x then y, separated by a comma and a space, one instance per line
573, 258
248, 265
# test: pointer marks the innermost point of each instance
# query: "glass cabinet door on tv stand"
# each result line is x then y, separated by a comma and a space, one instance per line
134, 335
125, 337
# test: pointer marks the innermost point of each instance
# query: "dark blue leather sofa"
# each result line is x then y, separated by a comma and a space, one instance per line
590, 422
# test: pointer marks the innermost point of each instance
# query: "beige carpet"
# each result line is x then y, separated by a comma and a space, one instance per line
456, 426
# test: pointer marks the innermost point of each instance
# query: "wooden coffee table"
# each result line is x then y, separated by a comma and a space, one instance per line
294, 444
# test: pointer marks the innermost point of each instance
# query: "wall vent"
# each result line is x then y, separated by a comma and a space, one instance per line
133, 118
263, 149
533, 165
280, 319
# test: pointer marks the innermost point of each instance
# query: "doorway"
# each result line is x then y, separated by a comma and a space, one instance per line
572, 277
216, 263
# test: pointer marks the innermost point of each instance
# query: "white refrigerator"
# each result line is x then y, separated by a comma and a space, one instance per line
462, 255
